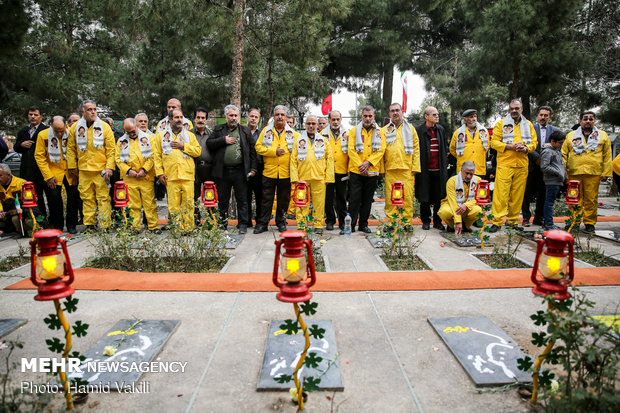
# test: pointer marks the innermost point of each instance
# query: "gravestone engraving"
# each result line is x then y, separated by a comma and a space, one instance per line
282, 353
465, 240
612, 234
8, 325
486, 352
132, 358
233, 240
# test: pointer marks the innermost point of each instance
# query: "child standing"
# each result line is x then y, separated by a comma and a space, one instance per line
554, 174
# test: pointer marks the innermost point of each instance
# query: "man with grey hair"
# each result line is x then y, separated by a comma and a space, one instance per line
275, 144
513, 138
142, 121
459, 209
51, 159
234, 162
90, 150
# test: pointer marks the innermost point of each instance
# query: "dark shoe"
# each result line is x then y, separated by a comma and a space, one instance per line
426, 227
329, 227
243, 229
589, 228
388, 229
439, 226
516, 227
478, 224
259, 229
366, 230
408, 228
282, 228
90, 229
450, 229
494, 228
318, 231
72, 230
538, 221
155, 231
526, 223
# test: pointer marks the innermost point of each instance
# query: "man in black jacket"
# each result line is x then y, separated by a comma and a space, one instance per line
430, 183
25, 143
234, 161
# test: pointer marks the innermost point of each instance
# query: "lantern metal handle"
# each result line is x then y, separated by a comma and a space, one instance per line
68, 267
539, 247
310, 262
276, 262
33, 263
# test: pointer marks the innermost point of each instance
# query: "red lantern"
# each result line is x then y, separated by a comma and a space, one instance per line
301, 195
483, 195
555, 263
121, 196
572, 193
29, 196
296, 271
49, 266
398, 193
209, 194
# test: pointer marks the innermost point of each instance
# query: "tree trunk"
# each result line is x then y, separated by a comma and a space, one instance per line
270, 84
388, 79
237, 63
516, 77
527, 107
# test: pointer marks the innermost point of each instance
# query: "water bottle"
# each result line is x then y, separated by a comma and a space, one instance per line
347, 224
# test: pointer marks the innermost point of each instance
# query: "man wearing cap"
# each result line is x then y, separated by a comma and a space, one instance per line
470, 142
513, 138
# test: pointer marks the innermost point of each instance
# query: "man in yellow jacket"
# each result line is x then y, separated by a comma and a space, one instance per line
336, 193
312, 161
90, 149
275, 144
401, 160
10, 187
134, 159
459, 209
174, 149
587, 156
50, 155
513, 138
366, 149
470, 142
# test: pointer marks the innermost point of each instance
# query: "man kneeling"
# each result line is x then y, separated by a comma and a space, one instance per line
458, 209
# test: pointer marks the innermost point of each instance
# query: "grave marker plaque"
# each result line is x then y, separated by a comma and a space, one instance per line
484, 350
282, 353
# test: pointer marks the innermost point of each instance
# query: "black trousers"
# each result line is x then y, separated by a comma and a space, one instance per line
362, 192
234, 178
54, 201
39, 189
270, 186
203, 174
535, 187
434, 198
336, 201
255, 187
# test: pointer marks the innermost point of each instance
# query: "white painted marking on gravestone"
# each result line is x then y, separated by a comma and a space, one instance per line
491, 357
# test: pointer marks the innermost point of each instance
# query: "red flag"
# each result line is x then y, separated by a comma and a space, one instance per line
403, 81
326, 107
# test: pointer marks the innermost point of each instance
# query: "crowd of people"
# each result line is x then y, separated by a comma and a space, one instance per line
341, 168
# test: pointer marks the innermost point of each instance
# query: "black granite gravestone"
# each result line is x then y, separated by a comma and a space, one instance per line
133, 357
484, 350
7, 325
282, 353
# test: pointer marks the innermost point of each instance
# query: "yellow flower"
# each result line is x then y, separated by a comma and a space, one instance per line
293, 392
323, 241
109, 350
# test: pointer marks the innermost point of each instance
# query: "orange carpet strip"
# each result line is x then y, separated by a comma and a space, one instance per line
110, 280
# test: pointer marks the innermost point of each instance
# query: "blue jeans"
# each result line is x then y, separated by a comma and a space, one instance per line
550, 195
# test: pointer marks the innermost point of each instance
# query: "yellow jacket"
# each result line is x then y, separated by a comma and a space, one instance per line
136, 161
511, 159
312, 169
175, 166
341, 159
375, 158
450, 198
395, 157
15, 186
588, 163
474, 151
48, 168
616, 165
92, 159
275, 166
